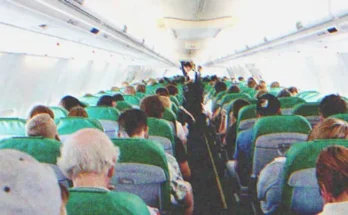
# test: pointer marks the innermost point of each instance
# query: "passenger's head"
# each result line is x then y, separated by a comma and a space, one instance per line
162, 91
284, 93
166, 101
117, 98
200, 69
133, 123
293, 91
331, 105
152, 106
78, 112
69, 102
252, 83
129, 90
329, 128
42, 125
187, 67
125, 84
106, 101
220, 86
27, 186
332, 174
172, 90
241, 78
260, 93
88, 158
237, 105
141, 88
39, 109
275, 84
234, 89
267, 105
258, 87
115, 89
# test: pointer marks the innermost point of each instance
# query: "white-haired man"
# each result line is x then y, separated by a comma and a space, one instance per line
88, 158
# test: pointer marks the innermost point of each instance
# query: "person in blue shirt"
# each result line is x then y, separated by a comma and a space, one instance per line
267, 105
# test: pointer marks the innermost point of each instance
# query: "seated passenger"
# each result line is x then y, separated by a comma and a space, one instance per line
269, 186
233, 89
293, 91
284, 93
162, 91
275, 84
332, 105
220, 87
78, 112
332, 175
68, 102
42, 125
106, 101
172, 90
133, 124
263, 85
129, 90
39, 109
141, 88
28, 187
88, 158
117, 98
267, 105
260, 93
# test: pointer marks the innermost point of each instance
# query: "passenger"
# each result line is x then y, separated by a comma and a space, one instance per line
117, 98
263, 85
252, 83
68, 102
78, 112
258, 87
293, 91
260, 93
190, 74
133, 124
332, 175
284, 93
269, 186
162, 92
220, 87
275, 84
231, 134
172, 90
115, 89
39, 109
42, 125
141, 88
106, 101
331, 105
129, 90
88, 158
125, 84
233, 89
267, 105
241, 79
64, 193
28, 187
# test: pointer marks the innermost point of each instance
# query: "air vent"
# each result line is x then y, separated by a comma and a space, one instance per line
344, 26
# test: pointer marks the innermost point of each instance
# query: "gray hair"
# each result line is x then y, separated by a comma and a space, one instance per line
87, 151
41, 125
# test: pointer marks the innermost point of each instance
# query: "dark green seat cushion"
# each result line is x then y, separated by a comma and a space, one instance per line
106, 113
70, 125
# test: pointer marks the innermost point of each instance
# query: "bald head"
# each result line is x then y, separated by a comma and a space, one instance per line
42, 125
87, 151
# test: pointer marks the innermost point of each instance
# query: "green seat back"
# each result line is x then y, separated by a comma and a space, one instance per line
140, 95
180, 98
106, 113
42, 149
219, 96
160, 127
307, 109
275, 91
10, 127
145, 151
228, 107
249, 91
175, 100
90, 100
247, 113
233, 96
97, 201
343, 116
290, 102
70, 125
59, 112
123, 105
175, 108
303, 156
133, 100
169, 115
307, 94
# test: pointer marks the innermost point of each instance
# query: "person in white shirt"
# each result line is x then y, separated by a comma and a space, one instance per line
332, 175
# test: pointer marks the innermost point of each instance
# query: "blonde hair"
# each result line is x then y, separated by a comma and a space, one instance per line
165, 101
42, 125
78, 112
329, 129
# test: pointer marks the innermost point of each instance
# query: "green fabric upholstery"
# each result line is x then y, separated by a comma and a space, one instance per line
303, 156
85, 200
90, 100
70, 125
59, 112
343, 116
169, 115
133, 100
12, 127
106, 113
290, 102
180, 99
228, 107
42, 149
249, 91
307, 94
307, 109
175, 108
162, 128
175, 100
140, 95
247, 112
233, 96
123, 105
146, 152
219, 96
275, 91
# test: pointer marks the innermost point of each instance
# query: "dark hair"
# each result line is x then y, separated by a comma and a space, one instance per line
293, 90
132, 121
331, 105
267, 105
172, 90
237, 105
275, 84
68, 102
141, 88
105, 101
234, 89
117, 97
187, 64
39, 109
152, 106
162, 91
220, 87
240, 78
251, 83
78, 112
284, 93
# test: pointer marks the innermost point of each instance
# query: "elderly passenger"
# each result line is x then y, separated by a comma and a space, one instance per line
42, 125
